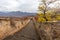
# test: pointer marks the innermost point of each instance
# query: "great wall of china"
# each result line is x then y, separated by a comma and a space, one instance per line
8, 26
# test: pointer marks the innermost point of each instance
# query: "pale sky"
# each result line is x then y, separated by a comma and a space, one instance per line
55, 4
19, 5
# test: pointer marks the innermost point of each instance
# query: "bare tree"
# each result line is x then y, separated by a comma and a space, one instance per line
44, 6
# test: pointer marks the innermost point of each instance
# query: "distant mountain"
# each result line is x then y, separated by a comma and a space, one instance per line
16, 14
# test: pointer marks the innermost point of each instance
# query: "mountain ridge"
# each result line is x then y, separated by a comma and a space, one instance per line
16, 14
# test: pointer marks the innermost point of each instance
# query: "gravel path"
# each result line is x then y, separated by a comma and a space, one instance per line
27, 33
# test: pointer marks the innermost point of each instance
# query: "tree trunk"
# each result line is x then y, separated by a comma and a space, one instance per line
45, 16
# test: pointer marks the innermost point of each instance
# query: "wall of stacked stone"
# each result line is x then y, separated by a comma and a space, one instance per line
49, 30
6, 28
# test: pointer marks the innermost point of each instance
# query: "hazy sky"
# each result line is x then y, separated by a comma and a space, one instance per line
19, 5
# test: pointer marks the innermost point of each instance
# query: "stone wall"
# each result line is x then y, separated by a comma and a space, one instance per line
49, 31
7, 29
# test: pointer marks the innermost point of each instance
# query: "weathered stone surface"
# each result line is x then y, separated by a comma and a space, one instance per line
27, 33
49, 31
6, 28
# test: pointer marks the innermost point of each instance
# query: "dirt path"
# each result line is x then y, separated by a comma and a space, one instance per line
28, 33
